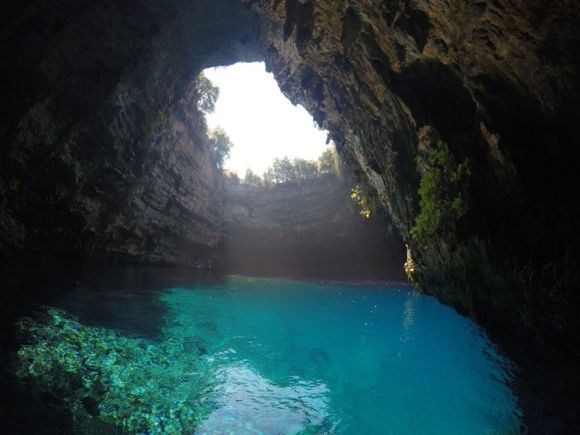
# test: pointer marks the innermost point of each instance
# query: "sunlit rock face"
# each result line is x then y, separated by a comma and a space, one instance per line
308, 229
497, 81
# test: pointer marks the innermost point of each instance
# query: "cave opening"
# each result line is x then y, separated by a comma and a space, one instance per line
292, 207
260, 121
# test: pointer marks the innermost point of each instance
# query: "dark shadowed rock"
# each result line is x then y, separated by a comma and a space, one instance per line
496, 81
103, 150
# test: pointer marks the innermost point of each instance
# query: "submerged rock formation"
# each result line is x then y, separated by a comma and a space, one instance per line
312, 229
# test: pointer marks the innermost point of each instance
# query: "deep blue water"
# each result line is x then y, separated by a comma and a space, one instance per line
287, 356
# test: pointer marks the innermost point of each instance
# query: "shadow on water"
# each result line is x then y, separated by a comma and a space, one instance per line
118, 297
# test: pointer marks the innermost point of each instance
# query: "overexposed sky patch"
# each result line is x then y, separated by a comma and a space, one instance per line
260, 121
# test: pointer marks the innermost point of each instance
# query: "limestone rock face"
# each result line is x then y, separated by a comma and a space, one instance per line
103, 153
497, 81
173, 210
103, 149
311, 229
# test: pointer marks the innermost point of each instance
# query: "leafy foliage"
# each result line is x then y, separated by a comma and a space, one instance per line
207, 94
359, 196
252, 178
297, 170
329, 162
305, 169
442, 193
285, 170
221, 146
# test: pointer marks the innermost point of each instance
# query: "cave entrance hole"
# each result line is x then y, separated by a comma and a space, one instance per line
289, 210
261, 123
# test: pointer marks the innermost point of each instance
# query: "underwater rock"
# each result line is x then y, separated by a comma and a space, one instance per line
90, 405
128, 383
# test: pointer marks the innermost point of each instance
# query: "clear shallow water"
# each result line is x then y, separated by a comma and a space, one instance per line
286, 356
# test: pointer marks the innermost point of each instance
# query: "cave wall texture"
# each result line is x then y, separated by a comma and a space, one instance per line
307, 229
495, 80
103, 152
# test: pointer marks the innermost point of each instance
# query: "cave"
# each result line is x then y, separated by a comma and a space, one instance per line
459, 118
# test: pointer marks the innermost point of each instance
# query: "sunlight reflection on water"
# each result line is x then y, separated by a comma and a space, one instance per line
244, 395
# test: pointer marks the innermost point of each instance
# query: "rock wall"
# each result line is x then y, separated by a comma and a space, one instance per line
307, 229
103, 150
102, 153
497, 82
96, 116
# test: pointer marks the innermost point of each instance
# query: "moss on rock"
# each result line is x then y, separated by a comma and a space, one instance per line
104, 378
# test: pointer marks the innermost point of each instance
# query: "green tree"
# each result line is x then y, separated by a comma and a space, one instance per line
285, 171
305, 169
281, 171
252, 178
207, 94
267, 177
297, 170
329, 162
221, 146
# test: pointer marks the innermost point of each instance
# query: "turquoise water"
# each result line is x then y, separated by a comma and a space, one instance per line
278, 356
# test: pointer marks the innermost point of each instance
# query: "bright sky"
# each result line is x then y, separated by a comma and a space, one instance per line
261, 122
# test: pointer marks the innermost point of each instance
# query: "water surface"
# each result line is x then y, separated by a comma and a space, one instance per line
256, 355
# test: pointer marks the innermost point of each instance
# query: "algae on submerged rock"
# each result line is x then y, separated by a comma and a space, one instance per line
130, 383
